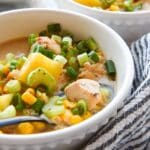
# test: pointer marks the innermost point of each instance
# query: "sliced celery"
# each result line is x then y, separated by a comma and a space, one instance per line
9, 112
13, 86
52, 109
68, 40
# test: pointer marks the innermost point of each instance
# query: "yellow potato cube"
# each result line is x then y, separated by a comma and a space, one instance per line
36, 60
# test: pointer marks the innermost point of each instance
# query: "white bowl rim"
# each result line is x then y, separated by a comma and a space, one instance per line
141, 12
11, 139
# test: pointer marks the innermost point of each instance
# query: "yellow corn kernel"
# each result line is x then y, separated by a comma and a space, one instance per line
6, 69
28, 98
75, 119
114, 8
92, 3
25, 128
31, 90
86, 115
1, 132
69, 104
39, 125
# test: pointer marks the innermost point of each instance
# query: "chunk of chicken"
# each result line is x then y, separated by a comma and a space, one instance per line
49, 44
85, 89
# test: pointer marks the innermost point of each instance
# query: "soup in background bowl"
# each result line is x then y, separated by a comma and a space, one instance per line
131, 25
21, 23
117, 5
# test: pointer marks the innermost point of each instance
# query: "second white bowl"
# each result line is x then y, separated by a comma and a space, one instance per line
130, 25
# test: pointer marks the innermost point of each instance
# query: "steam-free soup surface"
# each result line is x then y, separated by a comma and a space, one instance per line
15, 46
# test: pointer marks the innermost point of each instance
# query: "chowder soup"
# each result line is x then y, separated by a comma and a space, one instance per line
51, 74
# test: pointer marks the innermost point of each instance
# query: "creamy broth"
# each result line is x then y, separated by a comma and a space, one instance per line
16, 46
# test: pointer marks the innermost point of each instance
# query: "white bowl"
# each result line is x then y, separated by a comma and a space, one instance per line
20, 23
130, 25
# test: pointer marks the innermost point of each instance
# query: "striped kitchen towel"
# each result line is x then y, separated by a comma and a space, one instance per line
130, 128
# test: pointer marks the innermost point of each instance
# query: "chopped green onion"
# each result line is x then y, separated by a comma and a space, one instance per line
37, 106
82, 46
59, 101
13, 64
43, 33
72, 72
75, 111
60, 59
54, 28
94, 56
22, 60
40, 49
110, 67
91, 44
13, 86
18, 103
73, 62
64, 48
82, 107
83, 58
57, 38
68, 40
32, 39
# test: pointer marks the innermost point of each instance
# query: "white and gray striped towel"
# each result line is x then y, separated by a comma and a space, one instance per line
130, 128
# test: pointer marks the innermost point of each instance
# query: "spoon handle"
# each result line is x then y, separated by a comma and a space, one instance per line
12, 121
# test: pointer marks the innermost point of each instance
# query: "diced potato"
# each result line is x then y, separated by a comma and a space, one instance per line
36, 60
25, 128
